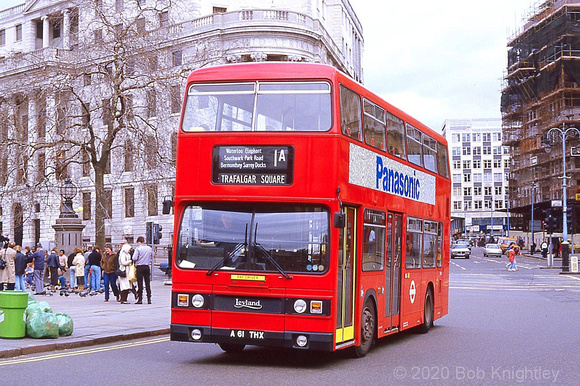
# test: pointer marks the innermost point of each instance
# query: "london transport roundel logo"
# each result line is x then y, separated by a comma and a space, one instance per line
412, 291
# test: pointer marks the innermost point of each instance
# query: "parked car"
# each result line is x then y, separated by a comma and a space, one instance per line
460, 250
492, 250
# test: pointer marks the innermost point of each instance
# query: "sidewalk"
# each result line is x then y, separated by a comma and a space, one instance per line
556, 262
98, 322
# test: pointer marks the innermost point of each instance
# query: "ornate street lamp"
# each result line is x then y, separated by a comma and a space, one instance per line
68, 190
565, 245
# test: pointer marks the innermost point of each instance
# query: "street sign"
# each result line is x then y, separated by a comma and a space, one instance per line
556, 203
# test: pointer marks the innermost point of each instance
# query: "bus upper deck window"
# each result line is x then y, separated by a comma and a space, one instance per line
396, 136
442, 161
374, 120
293, 106
219, 107
430, 153
350, 113
414, 145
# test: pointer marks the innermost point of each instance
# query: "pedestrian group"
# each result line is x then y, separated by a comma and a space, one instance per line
80, 272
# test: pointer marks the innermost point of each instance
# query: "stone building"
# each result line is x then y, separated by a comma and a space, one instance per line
82, 80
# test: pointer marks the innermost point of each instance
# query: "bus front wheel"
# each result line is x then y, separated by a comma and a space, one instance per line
428, 312
232, 347
367, 326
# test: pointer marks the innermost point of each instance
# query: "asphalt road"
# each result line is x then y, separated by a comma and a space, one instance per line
502, 328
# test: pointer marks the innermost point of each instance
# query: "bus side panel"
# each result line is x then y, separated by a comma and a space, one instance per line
412, 298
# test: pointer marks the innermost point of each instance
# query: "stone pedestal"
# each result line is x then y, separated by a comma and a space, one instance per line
69, 234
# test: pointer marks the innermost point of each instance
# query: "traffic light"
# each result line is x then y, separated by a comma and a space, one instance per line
570, 222
157, 235
148, 232
550, 222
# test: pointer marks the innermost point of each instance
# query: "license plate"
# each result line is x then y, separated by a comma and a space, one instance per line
247, 334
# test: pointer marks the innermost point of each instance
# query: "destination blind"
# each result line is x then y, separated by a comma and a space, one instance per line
253, 165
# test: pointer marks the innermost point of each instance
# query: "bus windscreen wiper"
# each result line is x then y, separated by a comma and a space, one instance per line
238, 250
271, 260
269, 257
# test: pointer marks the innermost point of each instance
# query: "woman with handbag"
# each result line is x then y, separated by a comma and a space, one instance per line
122, 278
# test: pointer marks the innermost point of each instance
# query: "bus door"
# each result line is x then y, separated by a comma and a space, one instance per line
346, 278
394, 257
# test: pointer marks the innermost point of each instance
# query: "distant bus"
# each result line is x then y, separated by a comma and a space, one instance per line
309, 213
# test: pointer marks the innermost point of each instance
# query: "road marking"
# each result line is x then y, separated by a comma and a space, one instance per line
91, 350
457, 265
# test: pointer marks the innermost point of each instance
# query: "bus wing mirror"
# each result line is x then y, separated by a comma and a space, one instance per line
167, 205
339, 221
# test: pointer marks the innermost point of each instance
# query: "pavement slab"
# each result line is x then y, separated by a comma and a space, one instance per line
99, 322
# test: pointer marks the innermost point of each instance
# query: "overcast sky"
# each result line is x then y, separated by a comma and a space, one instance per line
436, 60
439, 60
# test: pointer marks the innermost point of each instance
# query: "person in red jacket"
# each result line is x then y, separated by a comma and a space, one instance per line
513, 252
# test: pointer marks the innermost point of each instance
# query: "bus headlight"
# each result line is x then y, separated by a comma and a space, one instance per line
197, 301
301, 341
196, 334
299, 306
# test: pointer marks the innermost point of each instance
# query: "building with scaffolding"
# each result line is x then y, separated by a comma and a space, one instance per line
541, 92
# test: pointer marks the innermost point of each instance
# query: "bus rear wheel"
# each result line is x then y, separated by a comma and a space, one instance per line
232, 347
428, 312
368, 325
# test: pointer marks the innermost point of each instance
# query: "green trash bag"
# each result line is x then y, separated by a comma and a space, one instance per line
35, 308
42, 325
31, 299
65, 324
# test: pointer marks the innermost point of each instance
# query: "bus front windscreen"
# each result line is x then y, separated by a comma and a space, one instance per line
288, 239
258, 106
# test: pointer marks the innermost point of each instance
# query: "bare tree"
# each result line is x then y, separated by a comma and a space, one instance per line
96, 101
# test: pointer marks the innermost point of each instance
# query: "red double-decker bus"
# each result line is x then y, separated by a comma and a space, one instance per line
309, 213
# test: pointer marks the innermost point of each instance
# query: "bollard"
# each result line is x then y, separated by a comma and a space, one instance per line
12, 306
574, 264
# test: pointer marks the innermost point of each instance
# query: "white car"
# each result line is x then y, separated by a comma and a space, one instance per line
492, 250
460, 250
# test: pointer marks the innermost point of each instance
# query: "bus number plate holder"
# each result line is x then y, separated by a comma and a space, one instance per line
247, 334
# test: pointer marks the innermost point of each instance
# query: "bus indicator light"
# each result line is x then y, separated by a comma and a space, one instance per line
182, 300
316, 307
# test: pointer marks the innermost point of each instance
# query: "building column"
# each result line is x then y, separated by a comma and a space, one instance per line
29, 36
45, 32
32, 118
66, 29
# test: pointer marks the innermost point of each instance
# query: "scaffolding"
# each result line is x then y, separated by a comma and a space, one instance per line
541, 90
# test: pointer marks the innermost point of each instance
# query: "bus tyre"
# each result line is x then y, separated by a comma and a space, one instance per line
428, 313
232, 347
368, 325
